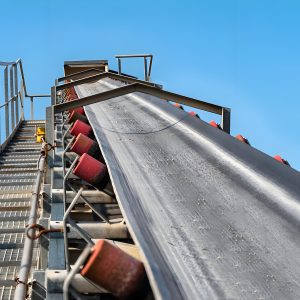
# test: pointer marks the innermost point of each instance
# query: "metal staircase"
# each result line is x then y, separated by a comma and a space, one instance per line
18, 165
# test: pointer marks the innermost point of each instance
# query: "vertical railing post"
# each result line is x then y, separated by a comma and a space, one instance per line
6, 101
150, 67
12, 102
145, 69
16, 92
22, 99
31, 108
119, 66
226, 119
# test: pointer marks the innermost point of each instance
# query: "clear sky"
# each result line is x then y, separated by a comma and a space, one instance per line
243, 54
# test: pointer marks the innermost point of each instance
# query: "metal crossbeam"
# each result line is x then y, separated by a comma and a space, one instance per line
150, 90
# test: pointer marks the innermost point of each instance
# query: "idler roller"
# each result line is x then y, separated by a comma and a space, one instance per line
116, 271
80, 127
214, 124
281, 160
84, 144
74, 116
80, 110
178, 106
92, 171
193, 114
242, 139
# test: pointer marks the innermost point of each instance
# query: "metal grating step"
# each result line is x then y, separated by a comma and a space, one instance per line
23, 147
28, 136
12, 257
18, 162
16, 182
26, 142
7, 292
16, 189
8, 273
17, 170
12, 226
14, 215
33, 122
21, 158
17, 176
18, 153
9, 205
15, 197
11, 240
14, 165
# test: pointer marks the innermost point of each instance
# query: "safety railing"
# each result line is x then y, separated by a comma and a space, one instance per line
26, 263
147, 71
14, 93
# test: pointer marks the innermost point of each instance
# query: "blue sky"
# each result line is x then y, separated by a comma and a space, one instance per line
243, 54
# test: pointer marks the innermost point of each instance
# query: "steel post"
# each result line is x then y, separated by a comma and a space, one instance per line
145, 69
22, 100
226, 119
119, 66
12, 102
150, 68
31, 108
16, 92
6, 101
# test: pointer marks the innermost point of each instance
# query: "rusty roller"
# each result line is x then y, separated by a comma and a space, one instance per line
116, 271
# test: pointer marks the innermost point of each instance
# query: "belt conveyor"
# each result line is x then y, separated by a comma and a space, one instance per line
213, 217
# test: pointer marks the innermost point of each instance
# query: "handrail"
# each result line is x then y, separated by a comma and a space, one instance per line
26, 262
14, 95
147, 72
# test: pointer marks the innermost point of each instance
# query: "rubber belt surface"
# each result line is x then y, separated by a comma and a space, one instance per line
213, 217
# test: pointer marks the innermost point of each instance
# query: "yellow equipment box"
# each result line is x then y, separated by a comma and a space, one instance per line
40, 134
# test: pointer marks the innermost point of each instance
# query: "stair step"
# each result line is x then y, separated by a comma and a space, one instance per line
11, 227
18, 161
18, 165
26, 142
19, 170
12, 238
24, 146
15, 197
18, 176
15, 206
11, 155
16, 189
8, 155
16, 182
7, 292
22, 150
8, 273
14, 215
12, 257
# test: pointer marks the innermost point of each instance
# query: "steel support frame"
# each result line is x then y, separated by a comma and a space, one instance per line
77, 75
147, 89
102, 75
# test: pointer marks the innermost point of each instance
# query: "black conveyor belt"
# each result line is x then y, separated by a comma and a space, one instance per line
213, 217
